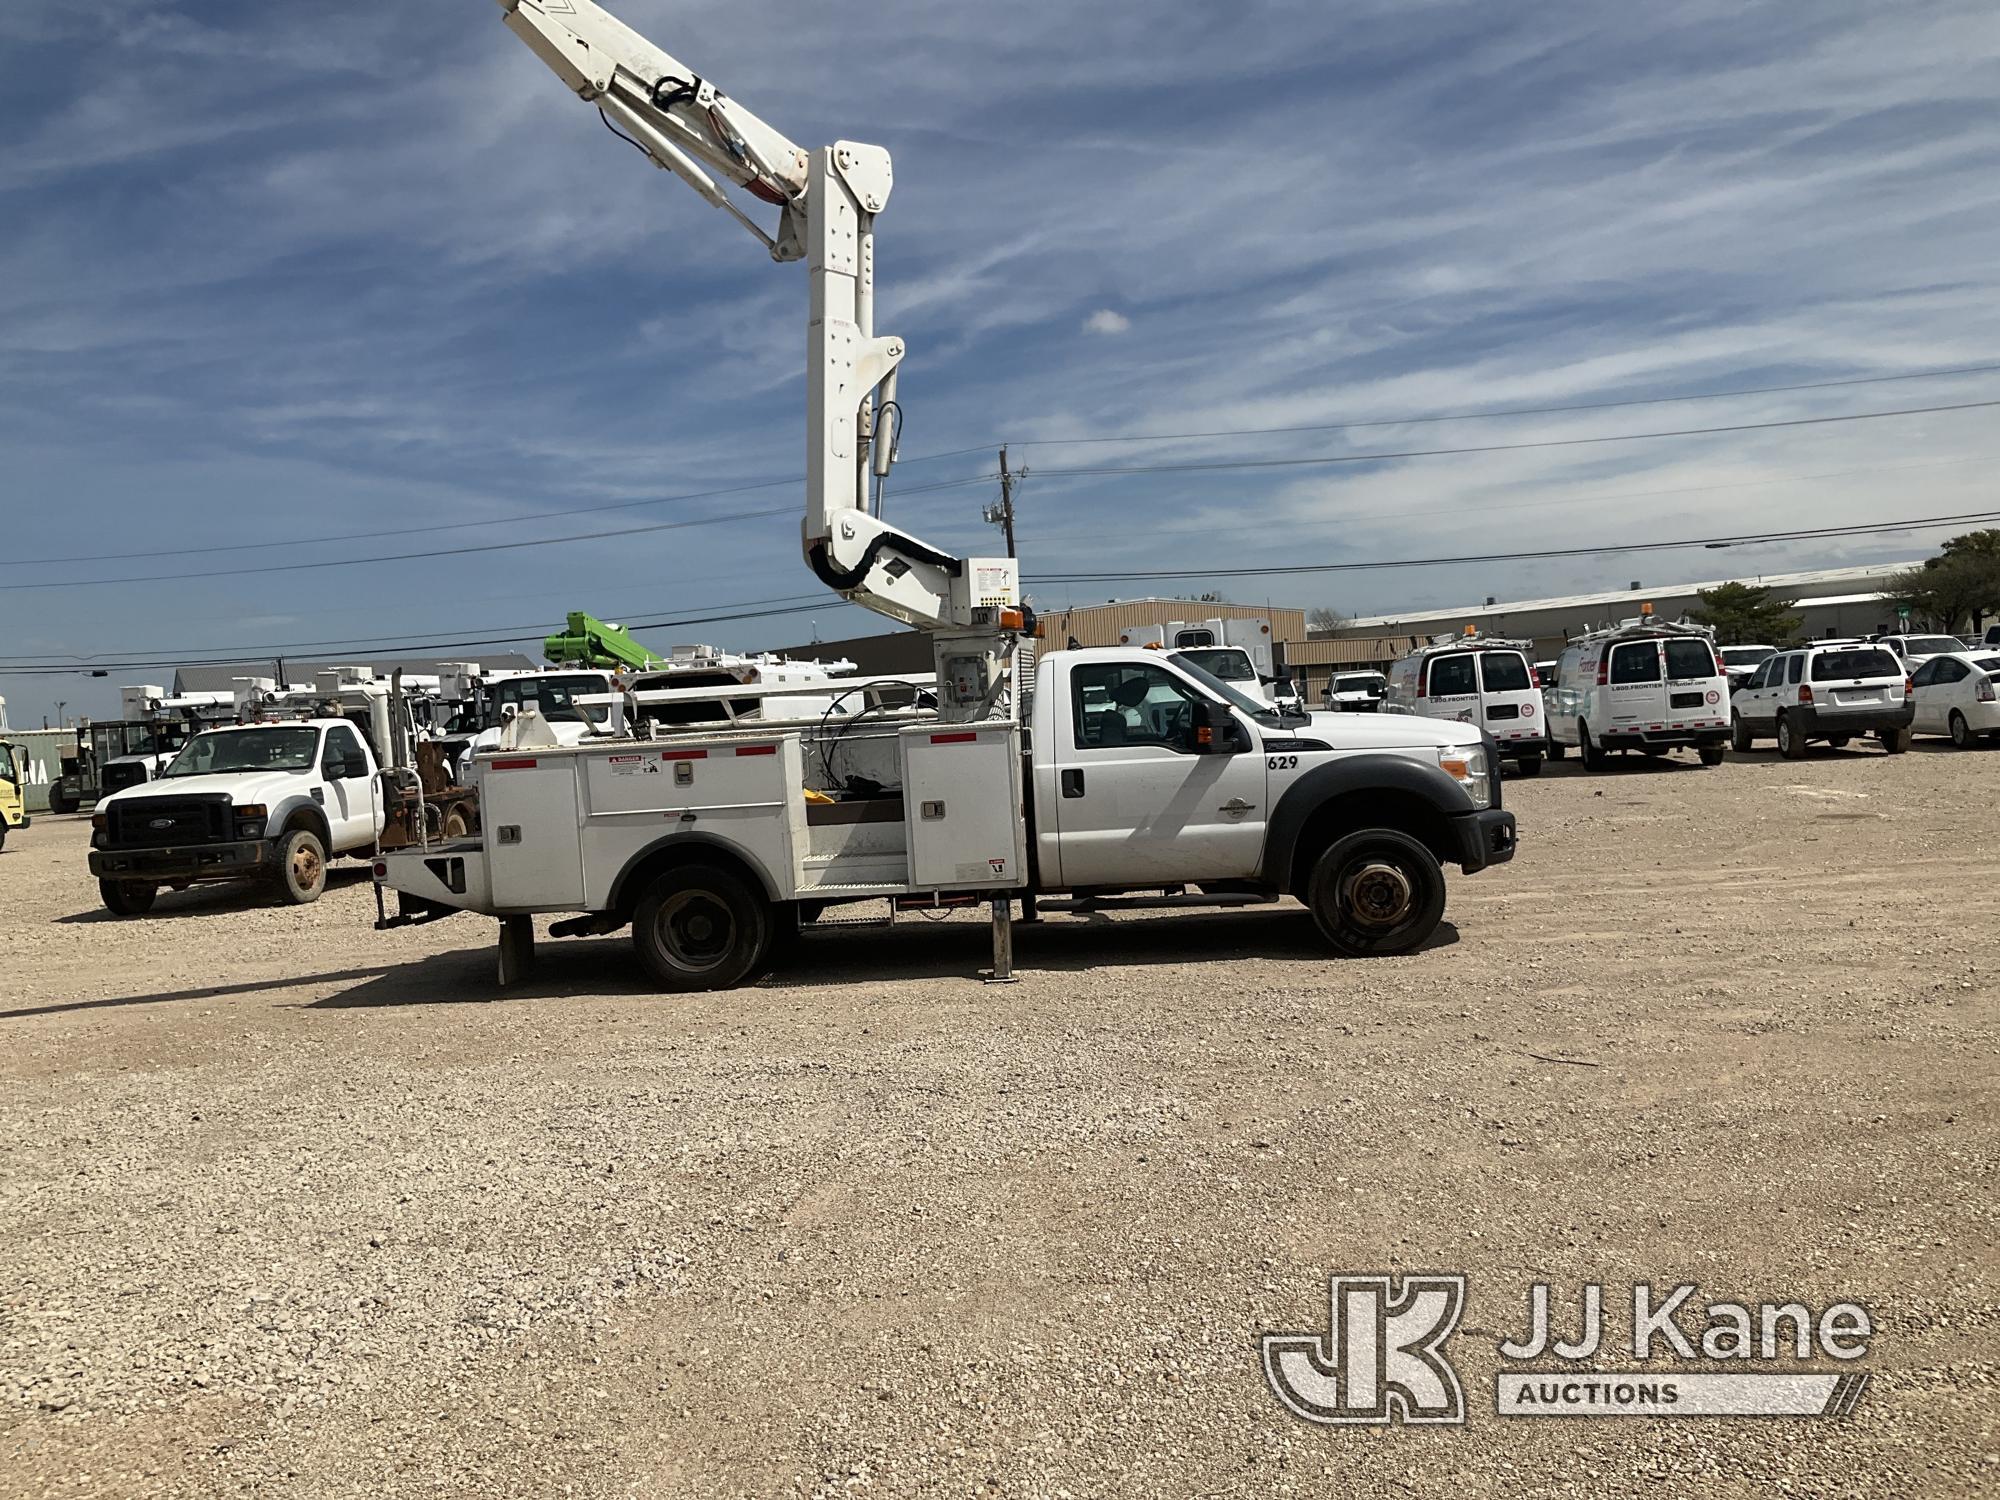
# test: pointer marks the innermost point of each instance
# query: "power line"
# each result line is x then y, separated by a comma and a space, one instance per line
1207, 466
752, 486
1746, 539
496, 633
1478, 416
414, 647
1183, 467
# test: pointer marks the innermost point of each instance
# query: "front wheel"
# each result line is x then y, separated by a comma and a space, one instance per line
1711, 755
301, 867
1894, 741
60, 801
1961, 732
1376, 892
127, 898
701, 928
1529, 765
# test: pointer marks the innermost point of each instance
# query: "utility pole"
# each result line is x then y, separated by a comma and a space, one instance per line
1002, 515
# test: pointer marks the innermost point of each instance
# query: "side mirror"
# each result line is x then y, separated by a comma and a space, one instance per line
1214, 729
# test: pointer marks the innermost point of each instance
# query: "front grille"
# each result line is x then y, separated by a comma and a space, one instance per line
1686, 700
1504, 711
170, 820
116, 778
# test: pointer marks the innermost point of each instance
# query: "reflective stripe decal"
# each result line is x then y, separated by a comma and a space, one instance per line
513, 765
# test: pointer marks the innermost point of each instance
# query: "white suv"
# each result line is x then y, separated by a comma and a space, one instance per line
1832, 691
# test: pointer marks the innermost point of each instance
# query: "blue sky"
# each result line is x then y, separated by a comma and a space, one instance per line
282, 271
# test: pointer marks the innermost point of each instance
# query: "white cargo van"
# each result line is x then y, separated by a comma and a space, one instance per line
1485, 683
1645, 685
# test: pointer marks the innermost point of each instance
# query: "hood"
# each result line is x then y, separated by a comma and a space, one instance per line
1387, 731
155, 761
242, 786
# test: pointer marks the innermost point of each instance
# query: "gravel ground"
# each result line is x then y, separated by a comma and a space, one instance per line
290, 1207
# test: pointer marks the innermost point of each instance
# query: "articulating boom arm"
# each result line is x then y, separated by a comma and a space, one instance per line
828, 200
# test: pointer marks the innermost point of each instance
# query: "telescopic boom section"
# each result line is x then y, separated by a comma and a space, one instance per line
827, 201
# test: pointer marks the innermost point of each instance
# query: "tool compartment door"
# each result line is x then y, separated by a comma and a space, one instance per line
532, 829
963, 807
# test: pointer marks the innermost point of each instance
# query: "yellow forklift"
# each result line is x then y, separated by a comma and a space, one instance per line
13, 789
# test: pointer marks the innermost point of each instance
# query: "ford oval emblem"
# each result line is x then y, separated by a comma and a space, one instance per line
159, 825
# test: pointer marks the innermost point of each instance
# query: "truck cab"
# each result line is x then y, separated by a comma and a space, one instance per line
266, 801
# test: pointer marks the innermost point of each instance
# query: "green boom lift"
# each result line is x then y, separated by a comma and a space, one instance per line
590, 642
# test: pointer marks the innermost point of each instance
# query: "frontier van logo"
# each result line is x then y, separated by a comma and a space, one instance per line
1383, 1358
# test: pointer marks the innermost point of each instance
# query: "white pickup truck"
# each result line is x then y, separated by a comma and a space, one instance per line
1136, 772
256, 801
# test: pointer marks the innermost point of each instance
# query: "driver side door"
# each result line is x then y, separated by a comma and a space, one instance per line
1139, 805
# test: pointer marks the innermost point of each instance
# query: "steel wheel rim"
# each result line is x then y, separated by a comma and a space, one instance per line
1377, 895
696, 931
305, 866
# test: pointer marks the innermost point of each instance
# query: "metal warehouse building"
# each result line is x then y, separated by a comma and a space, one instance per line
1829, 601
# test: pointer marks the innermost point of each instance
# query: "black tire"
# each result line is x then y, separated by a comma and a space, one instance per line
1375, 892
1595, 756
1711, 755
301, 874
59, 801
1529, 765
127, 898
1840, 741
1893, 741
1961, 732
701, 928
1739, 734
1557, 749
460, 821
1791, 744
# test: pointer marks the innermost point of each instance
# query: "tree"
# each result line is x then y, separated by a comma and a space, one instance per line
1325, 619
1948, 589
1744, 615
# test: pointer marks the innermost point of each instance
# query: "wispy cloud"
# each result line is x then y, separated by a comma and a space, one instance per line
274, 271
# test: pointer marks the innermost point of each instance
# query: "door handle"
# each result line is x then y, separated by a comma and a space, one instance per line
1072, 783
1235, 805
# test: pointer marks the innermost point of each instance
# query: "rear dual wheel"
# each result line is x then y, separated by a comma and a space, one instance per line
1376, 892
700, 927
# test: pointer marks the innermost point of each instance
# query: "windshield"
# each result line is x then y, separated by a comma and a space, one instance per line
1747, 656
1230, 663
1829, 666
554, 698
1221, 689
1929, 645
1359, 682
286, 747
1504, 672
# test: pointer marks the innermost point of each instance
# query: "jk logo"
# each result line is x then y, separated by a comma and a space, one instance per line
1379, 1359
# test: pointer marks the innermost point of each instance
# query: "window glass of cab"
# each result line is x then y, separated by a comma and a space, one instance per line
1636, 661
1452, 676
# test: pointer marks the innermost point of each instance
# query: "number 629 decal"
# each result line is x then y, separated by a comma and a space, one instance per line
1282, 763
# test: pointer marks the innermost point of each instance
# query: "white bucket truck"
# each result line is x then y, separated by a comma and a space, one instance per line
1097, 772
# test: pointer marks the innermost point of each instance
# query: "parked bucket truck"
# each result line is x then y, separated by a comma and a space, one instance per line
1091, 772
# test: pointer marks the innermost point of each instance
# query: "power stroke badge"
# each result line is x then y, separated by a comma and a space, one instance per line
1384, 1357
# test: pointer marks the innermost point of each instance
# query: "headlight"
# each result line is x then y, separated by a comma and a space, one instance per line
253, 813
1467, 766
